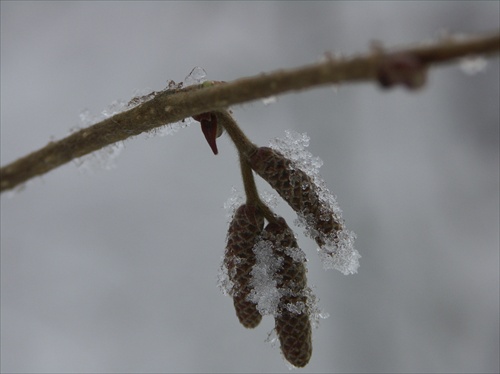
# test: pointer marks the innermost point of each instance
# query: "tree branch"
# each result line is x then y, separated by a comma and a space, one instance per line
176, 104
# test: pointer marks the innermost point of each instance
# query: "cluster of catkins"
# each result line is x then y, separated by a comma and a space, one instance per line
288, 299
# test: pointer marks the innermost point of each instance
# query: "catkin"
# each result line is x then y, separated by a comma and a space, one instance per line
298, 190
292, 318
239, 258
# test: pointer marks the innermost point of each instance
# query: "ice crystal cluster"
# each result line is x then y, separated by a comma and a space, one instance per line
263, 268
264, 272
294, 172
105, 158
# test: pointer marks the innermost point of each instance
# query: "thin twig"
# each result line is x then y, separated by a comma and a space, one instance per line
174, 105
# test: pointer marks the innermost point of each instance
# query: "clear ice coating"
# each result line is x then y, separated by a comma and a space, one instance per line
338, 252
196, 76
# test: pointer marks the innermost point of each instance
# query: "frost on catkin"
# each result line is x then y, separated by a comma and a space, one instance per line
292, 317
316, 207
239, 258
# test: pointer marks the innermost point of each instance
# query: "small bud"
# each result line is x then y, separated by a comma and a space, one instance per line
239, 259
210, 128
402, 68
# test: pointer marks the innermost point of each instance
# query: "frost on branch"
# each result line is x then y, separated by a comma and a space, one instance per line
294, 173
104, 158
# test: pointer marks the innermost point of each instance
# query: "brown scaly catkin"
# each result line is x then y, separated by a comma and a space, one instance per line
239, 258
292, 321
298, 190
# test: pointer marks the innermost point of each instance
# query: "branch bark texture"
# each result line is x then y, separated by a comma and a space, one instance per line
176, 104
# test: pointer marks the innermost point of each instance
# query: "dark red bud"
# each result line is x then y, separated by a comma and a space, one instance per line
208, 122
401, 68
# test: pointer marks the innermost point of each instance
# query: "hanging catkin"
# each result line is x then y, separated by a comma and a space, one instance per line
298, 190
292, 321
244, 230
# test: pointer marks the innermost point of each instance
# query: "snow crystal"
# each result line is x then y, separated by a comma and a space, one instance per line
338, 252
104, 158
196, 76
169, 129
117, 106
265, 293
223, 280
473, 65
315, 313
293, 146
86, 118
140, 96
233, 202
296, 254
17, 190
269, 100
269, 198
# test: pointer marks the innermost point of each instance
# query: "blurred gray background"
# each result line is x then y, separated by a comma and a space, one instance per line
116, 270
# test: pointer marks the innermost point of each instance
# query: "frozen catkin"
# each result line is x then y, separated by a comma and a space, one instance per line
299, 191
292, 322
239, 258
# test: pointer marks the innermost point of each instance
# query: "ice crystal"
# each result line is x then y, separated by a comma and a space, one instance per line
265, 293
269, 198
223, 280
473, 65
196, 76
104, 158
140, 96
269, 100
117, 106
233, 202
337, 250
86, 118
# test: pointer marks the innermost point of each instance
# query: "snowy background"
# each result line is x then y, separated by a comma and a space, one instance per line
116, 270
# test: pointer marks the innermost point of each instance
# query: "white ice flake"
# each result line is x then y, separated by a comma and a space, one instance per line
117, 106
269, 100
234, 201
104, 158
338, 252
269, 198
86, 118
296, 254
223, 280
473, 65
196, 76
315, 313
265, 293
